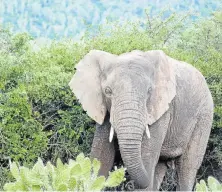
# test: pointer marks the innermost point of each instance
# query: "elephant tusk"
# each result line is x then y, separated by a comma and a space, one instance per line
147, 131
111, 134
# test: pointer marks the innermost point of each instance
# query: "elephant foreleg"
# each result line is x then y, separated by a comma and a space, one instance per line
102, 149
151, 148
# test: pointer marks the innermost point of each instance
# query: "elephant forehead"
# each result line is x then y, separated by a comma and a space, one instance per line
135, 62
133, 71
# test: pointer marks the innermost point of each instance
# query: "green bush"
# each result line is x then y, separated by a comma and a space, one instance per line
79, 175
40, 116
212, 185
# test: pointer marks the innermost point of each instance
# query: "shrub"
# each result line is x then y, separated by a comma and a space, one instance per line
212, 185
79, 175
40, 117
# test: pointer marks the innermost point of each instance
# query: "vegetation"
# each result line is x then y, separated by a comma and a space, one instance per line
40, 117
213, 185
79, 175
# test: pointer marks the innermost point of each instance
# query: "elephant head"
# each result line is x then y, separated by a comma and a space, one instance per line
135, 88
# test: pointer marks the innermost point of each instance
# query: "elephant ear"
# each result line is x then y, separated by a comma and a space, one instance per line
86, 83
164, 85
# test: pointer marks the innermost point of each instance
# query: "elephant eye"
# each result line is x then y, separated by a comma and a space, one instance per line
108, 91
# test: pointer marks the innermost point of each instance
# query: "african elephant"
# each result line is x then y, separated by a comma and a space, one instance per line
157, 108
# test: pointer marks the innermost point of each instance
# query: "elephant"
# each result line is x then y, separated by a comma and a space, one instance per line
156, 109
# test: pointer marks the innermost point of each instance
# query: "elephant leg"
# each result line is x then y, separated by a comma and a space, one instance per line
102, 149
188, 164
160, 171
151, 148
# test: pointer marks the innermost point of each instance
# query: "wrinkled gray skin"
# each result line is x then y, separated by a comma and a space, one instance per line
139, 89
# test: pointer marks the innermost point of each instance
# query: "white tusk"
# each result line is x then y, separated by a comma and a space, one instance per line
111, 134
147, 131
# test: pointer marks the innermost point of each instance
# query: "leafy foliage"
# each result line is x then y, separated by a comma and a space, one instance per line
212, 185
79, 175
39, 115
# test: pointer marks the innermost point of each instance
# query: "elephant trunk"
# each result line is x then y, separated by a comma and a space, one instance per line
129, 124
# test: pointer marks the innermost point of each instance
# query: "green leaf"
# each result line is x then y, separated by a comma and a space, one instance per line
61, 177
14, 170
96, 166
72, 183
51, 175
72, 163
98, 184
76, 171
198, 187
18, 186
50, 168
25, 174
39, 174
115, 178
59, 164
86, 168
80, 158
35, 179
62, 187
36, 188
9, 187
39, 166
213, 184
201, 186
